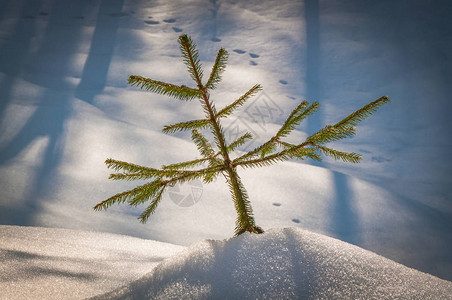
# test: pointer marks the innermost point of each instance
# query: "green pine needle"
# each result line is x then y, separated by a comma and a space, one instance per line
162, 88
339, 155
118, 165
151, 208
239, 102
331, 134
126, 196
186, 164
239, 142
191, 58
217, 69
203, 144
359, 115
189, 125
296, 117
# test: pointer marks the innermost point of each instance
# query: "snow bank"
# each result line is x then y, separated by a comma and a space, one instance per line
48, 263
282, 264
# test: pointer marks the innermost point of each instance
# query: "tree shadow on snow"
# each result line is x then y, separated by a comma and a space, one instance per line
51, 67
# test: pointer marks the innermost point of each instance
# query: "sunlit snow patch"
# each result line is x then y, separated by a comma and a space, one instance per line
282, 264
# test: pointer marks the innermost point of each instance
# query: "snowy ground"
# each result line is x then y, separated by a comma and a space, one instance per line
285, 263
51, 263
290, 263
65, 107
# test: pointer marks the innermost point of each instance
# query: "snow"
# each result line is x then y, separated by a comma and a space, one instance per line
53, 263
65, 107
284, 263
288, 263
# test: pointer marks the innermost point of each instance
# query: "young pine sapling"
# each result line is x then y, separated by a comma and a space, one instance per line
215, 158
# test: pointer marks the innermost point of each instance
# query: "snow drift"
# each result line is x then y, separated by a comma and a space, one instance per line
57, 264
286, 263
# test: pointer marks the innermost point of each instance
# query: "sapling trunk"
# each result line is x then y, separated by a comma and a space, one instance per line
245, 221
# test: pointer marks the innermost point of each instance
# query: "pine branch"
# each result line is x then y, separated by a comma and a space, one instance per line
296, 117
202, 144
256, 151
205, 174
132, 176
330, 134
169, 173
140, 193
191, 58
239, 142
268, 149
151, 208
135, 172
344, 156
118, 165
189, 125
162, 88
239, 102
210, 176
295, 152
186, 164
274, 158
359, 115
217, 69
310, 152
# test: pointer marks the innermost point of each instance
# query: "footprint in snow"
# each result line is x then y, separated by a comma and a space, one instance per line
216, 40
254, 55
253, 63
239, 51
277, 204
150, 22
380, 159
283, 82
169, 20
176, 29
295, 220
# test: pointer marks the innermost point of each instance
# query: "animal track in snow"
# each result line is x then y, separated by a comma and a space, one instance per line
253, 63
283, 82
295, 220
150, 22
380, 159
176, 29
276, 204
239, 51
169, 20
254, 55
